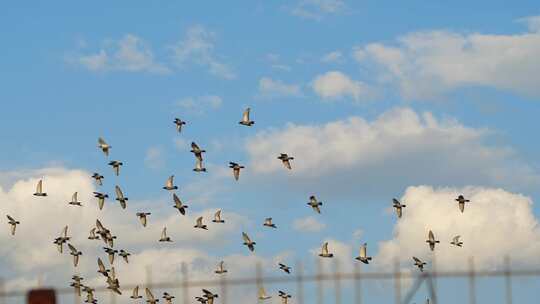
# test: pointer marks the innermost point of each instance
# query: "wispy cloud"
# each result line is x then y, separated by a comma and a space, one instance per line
201, 104
270, 88
308, 224
317, 9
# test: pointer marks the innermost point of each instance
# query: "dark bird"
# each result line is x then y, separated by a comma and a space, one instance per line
179, 123
13, 223
236, 169
120, 197
98, 178
248, 242
143, 217
461, 202
286, 160
179, 205
116, 166
285, 268
419, 263
431, 240
398, 206
104, 146
101, 199
315, 204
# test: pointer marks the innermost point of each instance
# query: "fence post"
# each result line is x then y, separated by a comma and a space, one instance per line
508, 280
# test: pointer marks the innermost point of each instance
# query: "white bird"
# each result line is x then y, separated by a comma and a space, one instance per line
456, 241
221, 269
150, 297
13, 224
120, 197
101, 199
199, 223
315, 204
363, 255
461, 202
169, 184
431, 240
179, 123
39, 189
217, 217
104, 146
324, 251
116, 166
143, 217
248, 242
178, 204
135, 295
245, 119
164, 237
98, 178
285, 268
74, 201
262, 294
199, 167
419, 263
236, 169
286, 160
268, 223
398, 206
75, 253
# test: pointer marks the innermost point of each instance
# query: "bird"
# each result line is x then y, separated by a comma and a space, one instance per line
268, 223
74, 200
199, 167
245, 119
285, 268
178, 204
363, 254
104, 146
199, 223
76, 287
248, 242
164, 237
112, 282
75, 253
236, 169
120, 197
99, 178
324, 251
101, 199
124, 254
110, 253
419, 263
150, 297
262, 294
135, 295
217, 217
209, 296
197, 151
143, 217
461, 202
63, 238
168, 298
284, 297
456, 241
315, 204
169, 184
116, 166
93, 235
89, 295
431, 240
13, 223
286, 160
179, 123
398, 206
101, 268
221, 269
201, 300
39, 189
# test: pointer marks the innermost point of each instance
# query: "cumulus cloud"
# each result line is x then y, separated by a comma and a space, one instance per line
200, 104
131, 54
270, 88
198, 48
308, 224
334, 85
317, 9
399, 145
425, 65
496, 223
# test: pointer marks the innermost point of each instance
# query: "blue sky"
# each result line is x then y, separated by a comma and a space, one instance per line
438, 94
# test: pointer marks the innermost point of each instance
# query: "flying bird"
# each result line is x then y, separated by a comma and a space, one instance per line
286, 160
262, 294
104, 146
150, 297
110, 253
285, 268
399, 207
461, 202
284, 297
116, 166
89, 295
431, 240
248, 242
199, 223
75, 253
13, 224
419, 263
178, 204
179, 123
120, 197
98, 178
168, 298
324, 251
112, 282
236, 169
268, 223
93, 235
221, 269
101, 199
101, 268
143, 217
209, 296
217, 217
245, 119
456, 241
363, 255
315, 204
135, 295
124, 254
164, 237
62, 239
199, 167
169, 184
197, 151
39, 189
74, 201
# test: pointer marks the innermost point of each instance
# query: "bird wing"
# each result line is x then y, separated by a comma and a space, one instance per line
199, 221
246, 238
456, 238
135, 292
72, 249
119, 193
99, 226
176, 200
74, 197
417, 260
164, 233
101, 266
431, 237
169, 183
64, 231
217, 215
325, 248
10, 219
363, 251
102, 142
39, 186
149, 294
399, 211
245, 115
195, 147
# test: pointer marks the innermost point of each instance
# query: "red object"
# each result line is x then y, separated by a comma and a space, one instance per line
41, 296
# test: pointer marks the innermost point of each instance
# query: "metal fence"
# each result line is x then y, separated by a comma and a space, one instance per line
321, 279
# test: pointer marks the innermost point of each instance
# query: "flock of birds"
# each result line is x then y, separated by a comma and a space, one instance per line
101, 232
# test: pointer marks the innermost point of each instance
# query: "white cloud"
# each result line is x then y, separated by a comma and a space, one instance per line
154, 158
533, 22
201, 104
317, 9
429, 64
334, 56
308, 224
496, 223
335, 85
269, 88
131, 54
398, 145
198, 48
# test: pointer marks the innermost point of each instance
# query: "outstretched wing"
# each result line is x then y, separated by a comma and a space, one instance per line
119, 193
246, 238
325, 248
149, 294
245, 116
